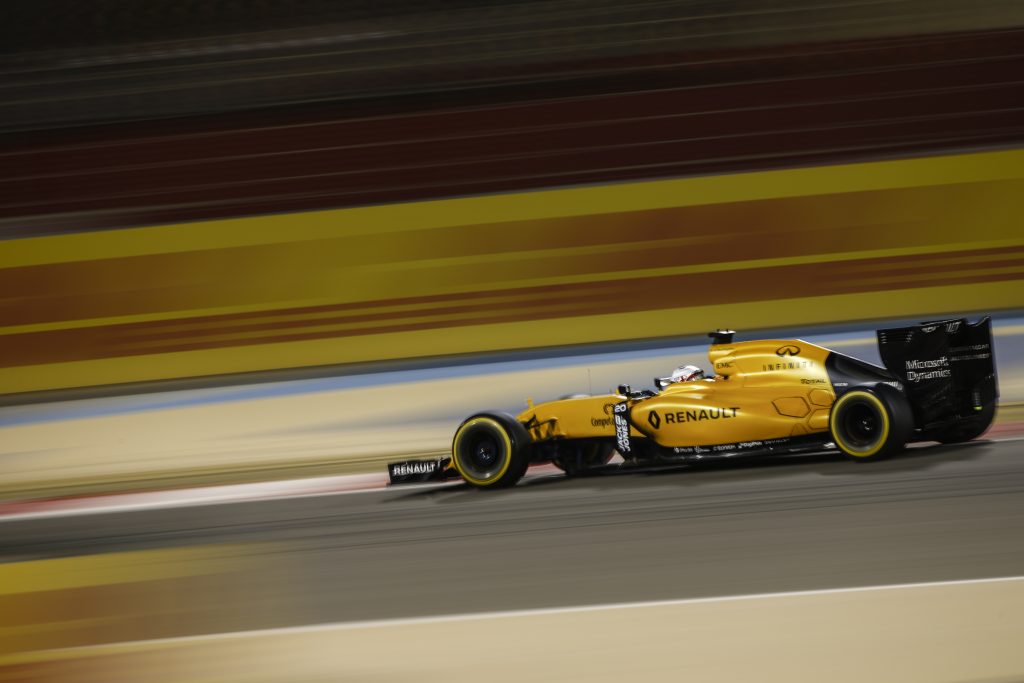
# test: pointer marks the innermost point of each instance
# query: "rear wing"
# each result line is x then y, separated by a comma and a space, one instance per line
946, 367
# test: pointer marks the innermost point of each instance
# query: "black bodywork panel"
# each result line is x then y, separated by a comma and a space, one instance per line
946, 368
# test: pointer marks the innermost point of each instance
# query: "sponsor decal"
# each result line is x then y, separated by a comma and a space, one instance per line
407, 468
621, 428
971, 352
973, 356
972, 347
951, 327
731, 448
918, 370
787, 365
722, 365
787, 350
603, 421
804, 380
696, 415
941, 362
916, 377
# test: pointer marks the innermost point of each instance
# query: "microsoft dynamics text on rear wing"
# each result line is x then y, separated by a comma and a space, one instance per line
947, 369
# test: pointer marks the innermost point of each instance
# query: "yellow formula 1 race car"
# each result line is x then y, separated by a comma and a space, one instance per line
766, 397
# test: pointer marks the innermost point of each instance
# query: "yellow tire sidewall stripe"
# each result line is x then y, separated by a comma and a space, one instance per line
886, 423
508, 450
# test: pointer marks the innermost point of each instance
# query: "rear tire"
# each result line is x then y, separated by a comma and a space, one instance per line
870, 424
491, 450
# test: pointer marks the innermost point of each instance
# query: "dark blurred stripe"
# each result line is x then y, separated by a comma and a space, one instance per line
126, 60
649, 116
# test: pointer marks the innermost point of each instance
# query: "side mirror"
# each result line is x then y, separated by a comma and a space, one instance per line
721, 336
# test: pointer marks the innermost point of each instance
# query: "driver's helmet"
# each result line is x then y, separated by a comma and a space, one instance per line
687, 373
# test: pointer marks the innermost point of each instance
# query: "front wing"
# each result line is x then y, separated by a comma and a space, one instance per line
421, 471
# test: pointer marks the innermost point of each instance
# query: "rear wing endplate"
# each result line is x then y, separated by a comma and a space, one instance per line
946, 367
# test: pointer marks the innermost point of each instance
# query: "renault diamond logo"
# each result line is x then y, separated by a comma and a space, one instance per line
654, 419
787, 350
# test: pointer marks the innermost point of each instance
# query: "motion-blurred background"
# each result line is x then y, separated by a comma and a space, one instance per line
208, 194
257, 239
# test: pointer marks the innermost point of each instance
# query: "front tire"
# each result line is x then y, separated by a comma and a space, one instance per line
870, 424
491, 450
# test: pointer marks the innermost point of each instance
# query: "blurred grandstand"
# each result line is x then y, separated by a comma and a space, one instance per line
120, 115
236, 108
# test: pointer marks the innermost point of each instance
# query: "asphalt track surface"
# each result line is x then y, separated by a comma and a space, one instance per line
936, 513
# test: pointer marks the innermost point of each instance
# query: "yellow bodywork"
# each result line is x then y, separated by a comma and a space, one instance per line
764, 389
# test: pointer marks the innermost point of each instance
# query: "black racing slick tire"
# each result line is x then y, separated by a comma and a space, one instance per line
870, 424
491, 450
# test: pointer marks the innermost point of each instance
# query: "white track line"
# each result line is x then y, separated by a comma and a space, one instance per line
193, 497
544, 611
211, 495
229, 494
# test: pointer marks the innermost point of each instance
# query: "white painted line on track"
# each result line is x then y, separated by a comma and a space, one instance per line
194, 497
292, 489
543, 611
